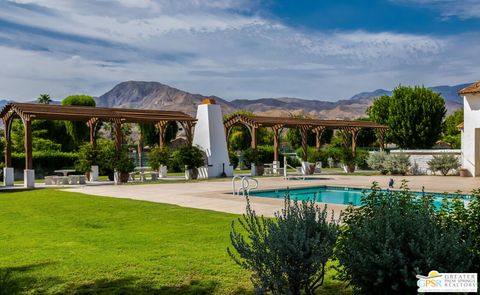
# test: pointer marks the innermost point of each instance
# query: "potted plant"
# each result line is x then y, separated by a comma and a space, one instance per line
192, 158
87, 156
348, 160
158, 159
123, 165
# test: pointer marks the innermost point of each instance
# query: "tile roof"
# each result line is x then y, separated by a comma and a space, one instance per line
474, 88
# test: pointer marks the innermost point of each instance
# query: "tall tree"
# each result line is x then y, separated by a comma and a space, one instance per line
78, 130
44, 99
413, 115
451, 133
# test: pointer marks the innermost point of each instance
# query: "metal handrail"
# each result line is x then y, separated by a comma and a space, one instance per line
245, 187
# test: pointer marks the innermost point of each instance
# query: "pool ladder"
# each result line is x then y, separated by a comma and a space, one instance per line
247, 184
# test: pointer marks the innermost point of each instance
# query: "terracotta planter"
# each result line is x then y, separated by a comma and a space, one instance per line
464, 173
124, 177
260, 169
191, 173
349, 168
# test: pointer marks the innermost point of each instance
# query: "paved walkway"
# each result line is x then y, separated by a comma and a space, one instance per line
216, 195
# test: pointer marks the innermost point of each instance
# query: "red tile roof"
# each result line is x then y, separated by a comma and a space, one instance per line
474, 88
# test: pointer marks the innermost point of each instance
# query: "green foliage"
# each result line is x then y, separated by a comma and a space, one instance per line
397, 163
451, 122
150, 134
376, 161
106, 156
233, 158
451, 134
158, 156
240, 137
78, 131
444, 163
414, 116
392, 238
44, 99
124, 162
264, 154
467, 216
46, 136
44, 163
79, 100
87, 156
288, 253
190, 156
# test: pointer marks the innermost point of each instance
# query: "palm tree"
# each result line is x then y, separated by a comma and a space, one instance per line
44, 98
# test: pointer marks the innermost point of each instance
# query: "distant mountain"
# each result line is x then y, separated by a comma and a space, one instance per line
3, 102
155, 95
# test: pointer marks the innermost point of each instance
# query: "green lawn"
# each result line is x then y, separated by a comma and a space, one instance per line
56, 242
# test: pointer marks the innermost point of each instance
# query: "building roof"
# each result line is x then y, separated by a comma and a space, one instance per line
474, 88
84, 113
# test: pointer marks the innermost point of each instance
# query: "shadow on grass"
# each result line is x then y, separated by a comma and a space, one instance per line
132, 285
14, 280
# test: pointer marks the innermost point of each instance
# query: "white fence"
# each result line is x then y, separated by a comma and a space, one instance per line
419, 158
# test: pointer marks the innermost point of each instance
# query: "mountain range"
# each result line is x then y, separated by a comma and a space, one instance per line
155, 95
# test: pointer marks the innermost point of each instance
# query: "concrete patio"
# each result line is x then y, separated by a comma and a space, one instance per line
216, 195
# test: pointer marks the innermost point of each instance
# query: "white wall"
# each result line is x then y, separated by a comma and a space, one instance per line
421, 157
471, 134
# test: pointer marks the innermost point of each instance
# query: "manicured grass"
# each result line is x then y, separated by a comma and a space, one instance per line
57, 242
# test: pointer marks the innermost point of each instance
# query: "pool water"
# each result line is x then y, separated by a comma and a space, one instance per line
334, 195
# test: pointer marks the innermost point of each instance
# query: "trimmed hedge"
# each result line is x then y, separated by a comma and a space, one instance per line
44, 163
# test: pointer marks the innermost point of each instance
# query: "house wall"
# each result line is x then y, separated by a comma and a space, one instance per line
471, 134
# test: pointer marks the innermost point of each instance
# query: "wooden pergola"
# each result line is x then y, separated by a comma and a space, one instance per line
92, 116
304, 125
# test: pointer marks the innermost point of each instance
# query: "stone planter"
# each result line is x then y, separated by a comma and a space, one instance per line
191, 174
349, 168
162, 172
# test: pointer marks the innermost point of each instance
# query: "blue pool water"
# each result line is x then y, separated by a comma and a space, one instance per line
331, 194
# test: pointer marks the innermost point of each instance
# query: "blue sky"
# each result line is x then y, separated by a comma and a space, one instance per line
314, 49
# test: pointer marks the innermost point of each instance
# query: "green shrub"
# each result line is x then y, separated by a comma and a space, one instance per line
287, 253
158, 156
106, 156
87, 156
190, 156
265, 154
444, 163
392, 238
124, 163
397, 163
44, 163
376, 161
467, 216
233, 158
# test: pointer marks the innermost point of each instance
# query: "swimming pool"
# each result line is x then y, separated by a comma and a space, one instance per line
334, 194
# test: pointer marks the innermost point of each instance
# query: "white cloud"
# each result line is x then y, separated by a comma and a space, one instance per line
463, 9
208, 47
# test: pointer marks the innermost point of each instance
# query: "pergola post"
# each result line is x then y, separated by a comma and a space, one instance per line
92, 125
318, 135
382, 132
275, 144
304, 135
8, 173
354, 132
188, 127
162, 126
28, 173
117, 126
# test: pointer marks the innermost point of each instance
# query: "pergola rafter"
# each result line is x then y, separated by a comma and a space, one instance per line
305, 125
91, 116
